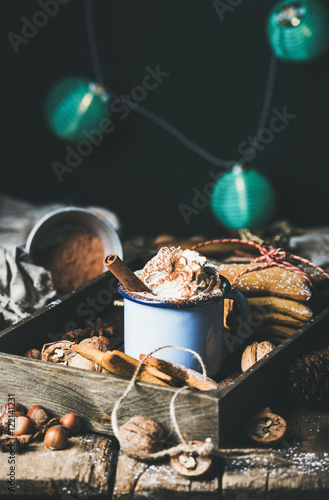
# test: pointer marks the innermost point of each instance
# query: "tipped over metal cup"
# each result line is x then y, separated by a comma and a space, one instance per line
52, 227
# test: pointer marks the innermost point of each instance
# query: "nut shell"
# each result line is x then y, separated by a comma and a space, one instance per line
191, 464
141, 435
254, 352
266, 428
57, 352
61, 352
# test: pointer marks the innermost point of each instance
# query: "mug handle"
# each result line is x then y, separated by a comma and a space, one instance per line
243, 330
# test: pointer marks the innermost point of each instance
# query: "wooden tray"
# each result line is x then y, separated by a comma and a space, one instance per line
219, 414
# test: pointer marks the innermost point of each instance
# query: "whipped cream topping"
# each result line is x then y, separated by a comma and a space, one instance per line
180, 274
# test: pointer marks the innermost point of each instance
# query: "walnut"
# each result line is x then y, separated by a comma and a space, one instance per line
95, 343
254, 353
190, 463
78, 361
141, 435
61, 352
266, 427
57, 352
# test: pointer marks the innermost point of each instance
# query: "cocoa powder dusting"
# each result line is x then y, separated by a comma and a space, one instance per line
77, 259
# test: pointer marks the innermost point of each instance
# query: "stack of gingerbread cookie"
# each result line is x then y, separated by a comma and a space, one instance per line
280, 300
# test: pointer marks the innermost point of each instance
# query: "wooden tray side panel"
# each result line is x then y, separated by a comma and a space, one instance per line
267, 382
92, 396
60, 316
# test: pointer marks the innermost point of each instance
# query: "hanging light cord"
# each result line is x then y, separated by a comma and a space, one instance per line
161, 122
266, 103
93, 42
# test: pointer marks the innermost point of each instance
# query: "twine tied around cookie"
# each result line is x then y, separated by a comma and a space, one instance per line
269, 257
204, 449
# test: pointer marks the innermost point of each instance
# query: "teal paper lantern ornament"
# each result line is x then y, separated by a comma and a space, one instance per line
242, 198
298, 30
74, 107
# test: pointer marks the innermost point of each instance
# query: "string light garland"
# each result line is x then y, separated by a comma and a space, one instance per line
251, 190
153, 117
75, 106
298, 30
252, 200
242, 198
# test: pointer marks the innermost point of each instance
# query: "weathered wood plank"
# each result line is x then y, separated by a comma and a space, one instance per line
307, 451
137, 480
265, 383
54, 320
297, 468
92, 395
296, 484
85, 467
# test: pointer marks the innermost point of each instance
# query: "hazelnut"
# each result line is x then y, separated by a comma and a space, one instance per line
72, 422
33, 354
56, 437
8, 422
12, 407
254, 352
38, 414
23, 426
16, 425
140, 434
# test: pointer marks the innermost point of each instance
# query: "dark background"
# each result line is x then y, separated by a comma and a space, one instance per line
214, 95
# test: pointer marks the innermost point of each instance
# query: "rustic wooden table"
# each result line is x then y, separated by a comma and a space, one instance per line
93, 467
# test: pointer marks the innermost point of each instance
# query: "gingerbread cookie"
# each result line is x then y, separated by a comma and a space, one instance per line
271, 304
268, 281
272, 333
257, 319
274, 330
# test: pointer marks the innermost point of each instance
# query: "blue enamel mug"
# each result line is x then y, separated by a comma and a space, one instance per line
194, 324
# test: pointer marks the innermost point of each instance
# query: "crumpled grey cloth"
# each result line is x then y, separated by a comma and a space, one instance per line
313, 245
24, 287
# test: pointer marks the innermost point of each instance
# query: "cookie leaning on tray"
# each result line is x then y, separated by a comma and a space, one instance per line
276, 296
283, 290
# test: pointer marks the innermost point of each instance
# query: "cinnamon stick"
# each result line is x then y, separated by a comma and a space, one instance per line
115, 364
124, 274
189, 377
150, 369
